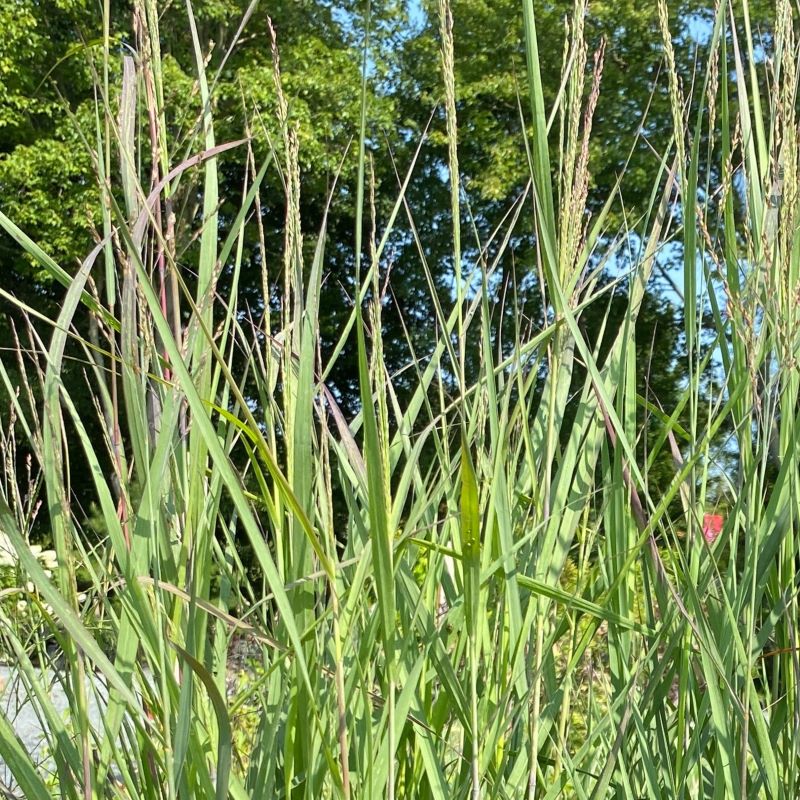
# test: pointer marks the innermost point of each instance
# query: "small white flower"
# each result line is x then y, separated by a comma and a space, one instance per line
21, 606
36, 549
29, 587
81, 598
8, 555
48, 573
48, 559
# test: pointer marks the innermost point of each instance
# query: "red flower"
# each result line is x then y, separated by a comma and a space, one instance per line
712, 527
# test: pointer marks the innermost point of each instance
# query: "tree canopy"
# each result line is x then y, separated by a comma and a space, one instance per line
49, 65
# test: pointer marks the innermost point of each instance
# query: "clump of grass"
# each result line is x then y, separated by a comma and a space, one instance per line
515, 615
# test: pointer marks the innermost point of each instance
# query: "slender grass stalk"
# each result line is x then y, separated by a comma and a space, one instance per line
474, 586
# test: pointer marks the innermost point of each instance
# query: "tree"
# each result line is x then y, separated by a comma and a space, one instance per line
48, 118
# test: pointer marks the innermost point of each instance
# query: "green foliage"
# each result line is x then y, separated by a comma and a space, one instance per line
19, 600
489, 577
38, 43
59, 202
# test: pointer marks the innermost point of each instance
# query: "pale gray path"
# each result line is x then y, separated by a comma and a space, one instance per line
16, 706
